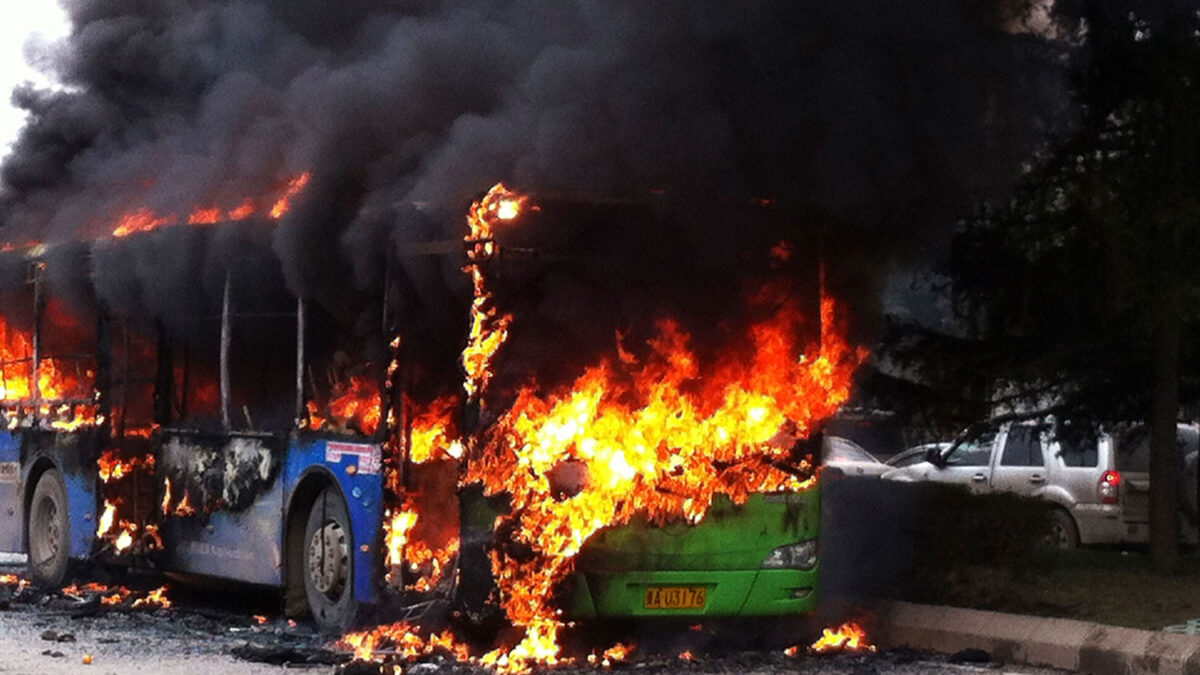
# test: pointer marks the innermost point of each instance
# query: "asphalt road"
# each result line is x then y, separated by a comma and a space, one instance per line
176, 642
204, 629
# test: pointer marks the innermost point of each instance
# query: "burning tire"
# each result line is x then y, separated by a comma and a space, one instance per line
328, 565
49, 530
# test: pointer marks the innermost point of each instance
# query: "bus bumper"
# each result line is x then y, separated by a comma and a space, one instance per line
728, 593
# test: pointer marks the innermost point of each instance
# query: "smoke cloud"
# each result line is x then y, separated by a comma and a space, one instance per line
870, 124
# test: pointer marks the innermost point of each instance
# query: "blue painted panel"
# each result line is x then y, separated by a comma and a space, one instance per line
11, 509
244, 545
81, 499
363, 491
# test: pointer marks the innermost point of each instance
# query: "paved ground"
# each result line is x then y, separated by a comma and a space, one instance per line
175, 642
52, 634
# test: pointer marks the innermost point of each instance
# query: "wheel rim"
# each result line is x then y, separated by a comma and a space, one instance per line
1059, 536
46, 525
328, 560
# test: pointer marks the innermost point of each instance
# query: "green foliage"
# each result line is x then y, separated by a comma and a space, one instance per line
1061, 290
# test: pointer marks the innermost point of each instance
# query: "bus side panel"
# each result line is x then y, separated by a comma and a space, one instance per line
74, 455
81, 495
234, 486
362, 487
11, 514
243, 546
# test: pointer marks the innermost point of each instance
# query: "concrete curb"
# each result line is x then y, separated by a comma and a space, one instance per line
1058, 643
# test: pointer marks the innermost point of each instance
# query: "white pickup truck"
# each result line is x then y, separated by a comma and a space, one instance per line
1100, 486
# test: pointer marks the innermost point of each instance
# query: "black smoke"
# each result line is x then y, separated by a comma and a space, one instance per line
867, 125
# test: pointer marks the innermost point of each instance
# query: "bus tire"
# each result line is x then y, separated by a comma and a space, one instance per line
49, 528
328, 563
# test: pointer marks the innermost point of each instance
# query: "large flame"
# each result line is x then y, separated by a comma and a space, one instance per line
653, 437
659, 434
352, 407
489, 328
65, 392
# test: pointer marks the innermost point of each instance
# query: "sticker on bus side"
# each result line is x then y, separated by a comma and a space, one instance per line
10, 472
370, 458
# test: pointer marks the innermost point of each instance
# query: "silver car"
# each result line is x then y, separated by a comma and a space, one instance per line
1099, 485
843, 457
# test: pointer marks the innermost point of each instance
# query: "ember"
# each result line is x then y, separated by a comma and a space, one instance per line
119, 595
14, 580
403, 640
113, 467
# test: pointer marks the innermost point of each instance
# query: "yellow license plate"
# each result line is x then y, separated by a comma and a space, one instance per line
675, 597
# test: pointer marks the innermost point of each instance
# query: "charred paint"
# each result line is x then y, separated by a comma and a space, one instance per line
220, 472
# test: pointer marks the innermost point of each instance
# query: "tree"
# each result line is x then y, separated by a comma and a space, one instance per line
1086, 283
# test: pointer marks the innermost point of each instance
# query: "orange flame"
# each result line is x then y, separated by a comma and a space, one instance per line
404, 641
433, 434
353, 406
849, 637
106, 519
660, 434
615, 654
155, 598
294, 186
145, 219
14, 580
397, 528
653, 438
489, 330
184, 508
113, 467
142, 219
62, 385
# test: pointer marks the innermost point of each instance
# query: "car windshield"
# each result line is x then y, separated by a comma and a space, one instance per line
841, 450
975, 452
912, 455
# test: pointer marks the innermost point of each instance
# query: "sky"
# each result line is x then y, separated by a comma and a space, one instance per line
20, 23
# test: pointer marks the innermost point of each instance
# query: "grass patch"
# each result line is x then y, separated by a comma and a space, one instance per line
1119, 588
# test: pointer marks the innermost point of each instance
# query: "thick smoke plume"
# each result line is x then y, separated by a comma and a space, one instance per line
866, 125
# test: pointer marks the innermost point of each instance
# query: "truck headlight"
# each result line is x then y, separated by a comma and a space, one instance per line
798, 556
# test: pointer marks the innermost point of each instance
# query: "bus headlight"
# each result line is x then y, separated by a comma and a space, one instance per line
798, 556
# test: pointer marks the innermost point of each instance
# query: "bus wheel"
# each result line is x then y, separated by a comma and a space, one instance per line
49, 531
328, 568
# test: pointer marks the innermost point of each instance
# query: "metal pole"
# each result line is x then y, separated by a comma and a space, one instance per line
226, 338
301, 323
35, 387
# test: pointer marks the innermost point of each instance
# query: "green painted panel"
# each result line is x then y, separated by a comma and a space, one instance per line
731, 537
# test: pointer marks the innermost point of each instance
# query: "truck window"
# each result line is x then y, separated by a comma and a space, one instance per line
1079, 452
1022, 447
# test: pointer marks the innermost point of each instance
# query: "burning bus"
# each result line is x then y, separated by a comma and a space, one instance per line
548, 459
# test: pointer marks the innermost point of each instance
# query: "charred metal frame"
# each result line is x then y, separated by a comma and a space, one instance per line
226, 339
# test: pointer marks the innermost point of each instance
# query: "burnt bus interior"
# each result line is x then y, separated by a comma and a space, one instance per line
135, 365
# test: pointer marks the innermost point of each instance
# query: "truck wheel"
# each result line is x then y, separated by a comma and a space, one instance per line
49, 531
1063, 535
328, 564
